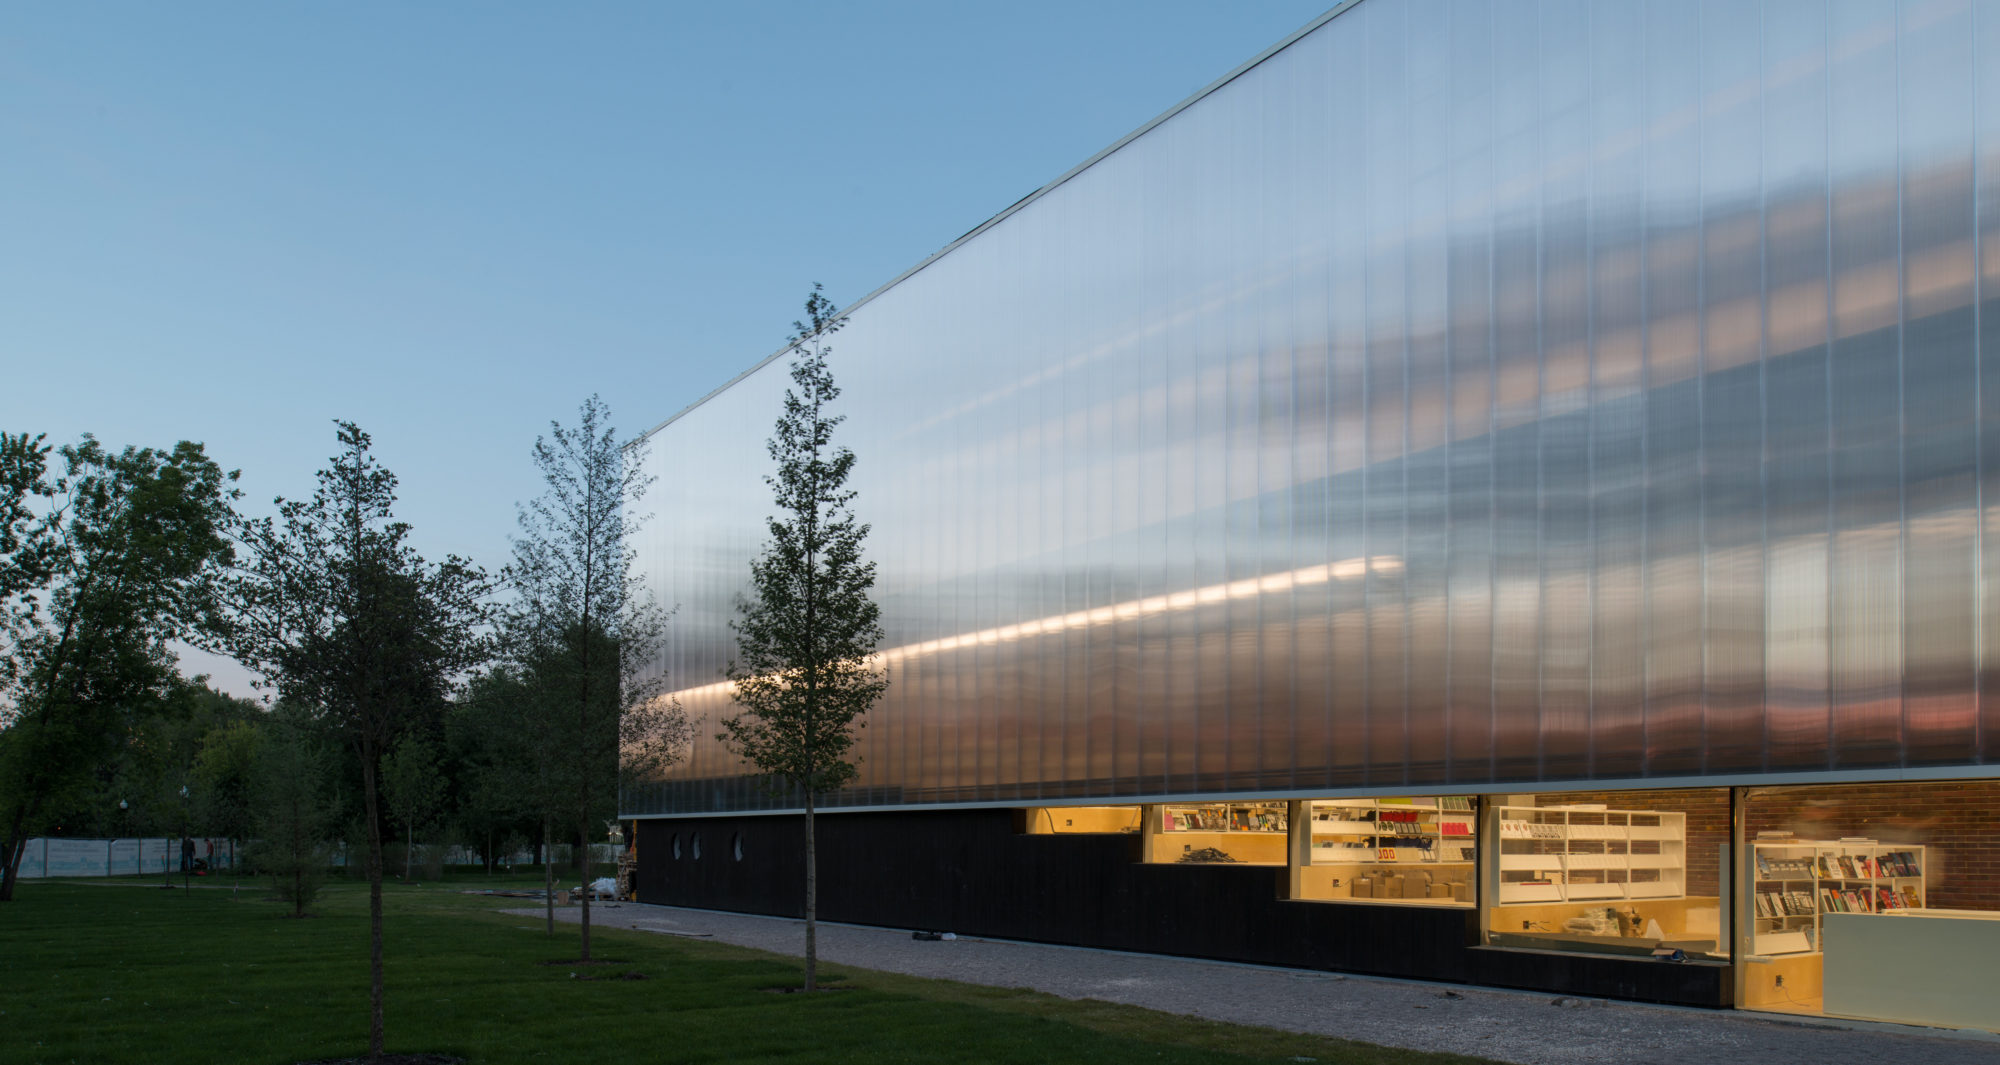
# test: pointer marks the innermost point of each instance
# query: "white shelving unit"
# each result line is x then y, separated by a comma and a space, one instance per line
1590, 854
1428, 831
1794, 881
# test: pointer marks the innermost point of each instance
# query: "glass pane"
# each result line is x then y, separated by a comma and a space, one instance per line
1625, 873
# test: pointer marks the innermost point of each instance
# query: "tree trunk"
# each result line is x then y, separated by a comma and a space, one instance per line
548, 876
585, 956
409, 855
374, 906
812, 901
17, 845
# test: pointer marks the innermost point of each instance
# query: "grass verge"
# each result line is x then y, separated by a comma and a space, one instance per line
118, 972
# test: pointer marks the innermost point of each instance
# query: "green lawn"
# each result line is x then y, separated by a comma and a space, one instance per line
105, 974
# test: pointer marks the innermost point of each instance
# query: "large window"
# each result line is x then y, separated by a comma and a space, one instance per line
1405, 851
1878, 901
1635, 873
1218, 833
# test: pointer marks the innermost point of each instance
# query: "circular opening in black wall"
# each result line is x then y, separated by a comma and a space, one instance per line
736, 845
677, 846
697, 846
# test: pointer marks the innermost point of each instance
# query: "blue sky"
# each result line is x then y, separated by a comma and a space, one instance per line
235, 223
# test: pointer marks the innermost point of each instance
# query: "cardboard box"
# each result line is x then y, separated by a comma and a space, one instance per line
1441, 891
1363, 887
1461, 890
1398, 887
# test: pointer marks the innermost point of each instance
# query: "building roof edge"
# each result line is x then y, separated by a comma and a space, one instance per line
1024, 201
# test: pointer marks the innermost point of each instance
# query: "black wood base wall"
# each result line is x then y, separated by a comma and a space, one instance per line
975, 872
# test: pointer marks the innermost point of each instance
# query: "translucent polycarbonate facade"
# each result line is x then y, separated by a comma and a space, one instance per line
1468, 393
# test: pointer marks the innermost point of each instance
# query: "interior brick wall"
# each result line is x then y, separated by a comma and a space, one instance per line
1958, 824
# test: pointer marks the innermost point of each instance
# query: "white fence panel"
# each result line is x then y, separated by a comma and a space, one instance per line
115, 857
76, 857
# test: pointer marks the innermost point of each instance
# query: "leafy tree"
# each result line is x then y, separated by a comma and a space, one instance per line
415, 787
583, 630
134, 542
514, 699
27, 541
225, 781
338, 610
153, 748
807, 633
493, 761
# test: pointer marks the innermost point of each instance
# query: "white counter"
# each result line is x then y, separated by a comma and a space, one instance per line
1914, 966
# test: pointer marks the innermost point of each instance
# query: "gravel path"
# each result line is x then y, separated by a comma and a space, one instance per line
1511, 1026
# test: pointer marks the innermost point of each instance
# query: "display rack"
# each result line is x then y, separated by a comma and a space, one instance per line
1590, 854
1794, 881
1432, 831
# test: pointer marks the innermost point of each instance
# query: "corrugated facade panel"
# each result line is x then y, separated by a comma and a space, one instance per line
1467, 394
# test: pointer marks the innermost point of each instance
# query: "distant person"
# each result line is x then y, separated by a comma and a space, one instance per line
187, 854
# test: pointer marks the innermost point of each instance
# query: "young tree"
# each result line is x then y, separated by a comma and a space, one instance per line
807, 632
583, 630
346, 618
292, 776
132, 544
414, 784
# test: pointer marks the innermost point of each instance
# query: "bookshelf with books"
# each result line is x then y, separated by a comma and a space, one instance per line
1589, 853
1863, 876
1795, 881
1784, 898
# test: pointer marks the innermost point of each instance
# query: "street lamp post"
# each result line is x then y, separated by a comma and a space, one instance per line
125, 826
187, 848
